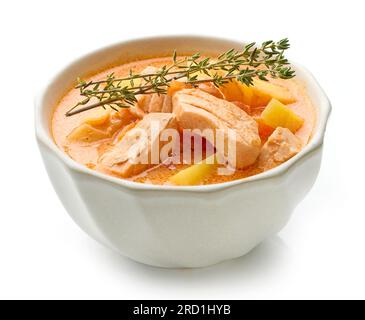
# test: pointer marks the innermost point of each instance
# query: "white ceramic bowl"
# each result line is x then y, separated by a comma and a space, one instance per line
176, 226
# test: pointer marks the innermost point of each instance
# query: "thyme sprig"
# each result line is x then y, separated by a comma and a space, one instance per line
245, 65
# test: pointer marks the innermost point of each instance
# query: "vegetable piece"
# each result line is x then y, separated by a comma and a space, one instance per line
176, 86
248, 95
264, 130
231, 91
97, 117
195, 173
101, 124
277, 114
266, 90
259, 94
87, 133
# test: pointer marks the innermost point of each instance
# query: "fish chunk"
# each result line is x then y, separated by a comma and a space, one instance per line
154, 102
280, 147
132, 154
163, 102
196, 109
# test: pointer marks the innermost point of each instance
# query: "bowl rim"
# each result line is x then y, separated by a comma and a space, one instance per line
45, 138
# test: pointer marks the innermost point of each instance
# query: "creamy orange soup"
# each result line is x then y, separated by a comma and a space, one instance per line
89, 153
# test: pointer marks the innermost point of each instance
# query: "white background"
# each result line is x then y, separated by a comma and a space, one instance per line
319, 254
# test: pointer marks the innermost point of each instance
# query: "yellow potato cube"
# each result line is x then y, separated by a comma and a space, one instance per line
277, 114
87, 133
266, 90
195, 173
